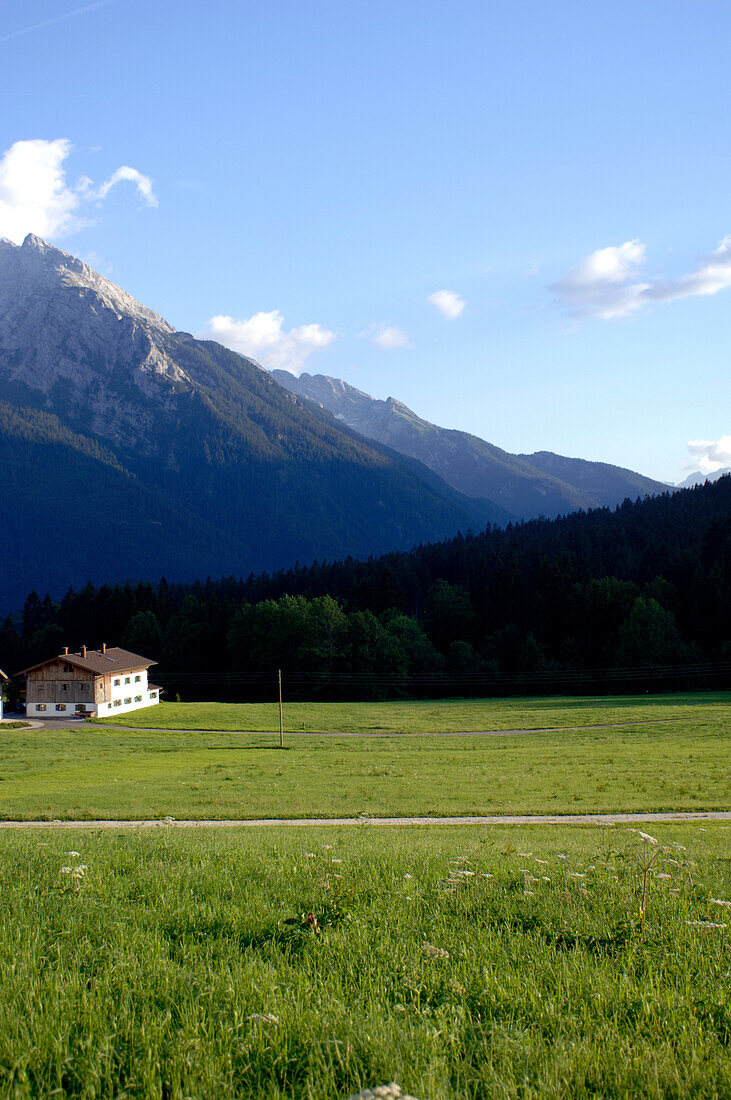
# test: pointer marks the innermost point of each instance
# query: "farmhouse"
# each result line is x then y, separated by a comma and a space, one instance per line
102, 681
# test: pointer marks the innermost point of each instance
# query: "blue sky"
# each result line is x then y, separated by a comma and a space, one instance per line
302, 178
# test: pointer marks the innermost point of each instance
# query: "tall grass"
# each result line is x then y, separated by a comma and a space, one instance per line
480, 962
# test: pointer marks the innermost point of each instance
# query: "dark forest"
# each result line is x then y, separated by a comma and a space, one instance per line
637, 598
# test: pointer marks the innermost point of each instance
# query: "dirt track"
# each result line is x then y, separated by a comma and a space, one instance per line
76, 724
507, 819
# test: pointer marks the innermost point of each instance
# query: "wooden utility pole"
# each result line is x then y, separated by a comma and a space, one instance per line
281, 722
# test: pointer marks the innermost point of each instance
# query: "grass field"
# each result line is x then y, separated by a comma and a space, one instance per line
437, 716
466, 963
98, 773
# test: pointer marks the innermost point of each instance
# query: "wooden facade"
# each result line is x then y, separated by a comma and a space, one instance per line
58, 681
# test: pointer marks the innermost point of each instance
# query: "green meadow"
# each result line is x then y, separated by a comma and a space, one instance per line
315, 962
472, 962
95, 772
432, 716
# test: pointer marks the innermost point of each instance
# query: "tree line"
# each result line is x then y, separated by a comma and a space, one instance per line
632, 598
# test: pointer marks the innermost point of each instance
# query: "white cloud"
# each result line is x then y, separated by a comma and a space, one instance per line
708, 456
389, 337
262, 337
142, 183
607, 283
35, 196
448, 302
601, 285
713, 274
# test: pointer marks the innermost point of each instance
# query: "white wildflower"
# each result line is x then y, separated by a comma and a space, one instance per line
336, 861
75, 872
541, 860
524, 855
646, 837
662, 875
545, 878
576, 874
408, 876
561, 856
310, 855
382, 1092
704, 925
263, 1018
720, 901
73, 855
434, 952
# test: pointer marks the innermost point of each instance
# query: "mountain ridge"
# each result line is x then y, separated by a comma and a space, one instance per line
699, 478
527, 486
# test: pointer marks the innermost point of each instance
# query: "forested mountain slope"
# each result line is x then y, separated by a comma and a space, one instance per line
130, 450
638, 597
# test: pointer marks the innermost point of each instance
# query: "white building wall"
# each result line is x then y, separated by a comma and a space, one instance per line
137, 700
130, 691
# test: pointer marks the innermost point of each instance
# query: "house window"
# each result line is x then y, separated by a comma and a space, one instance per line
117, 702
128, 700
81, 708
138, 698
153, 695
41, 706
137, 679
126, 679
60, 706
64, 687
117, 683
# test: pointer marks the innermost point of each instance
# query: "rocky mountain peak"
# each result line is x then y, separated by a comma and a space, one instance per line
41, 266
68, 333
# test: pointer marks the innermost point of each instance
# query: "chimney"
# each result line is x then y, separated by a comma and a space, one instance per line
104, 647
83, 651
65, 650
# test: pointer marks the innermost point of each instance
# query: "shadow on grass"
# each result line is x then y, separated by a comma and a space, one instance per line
609, 944
290, 935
